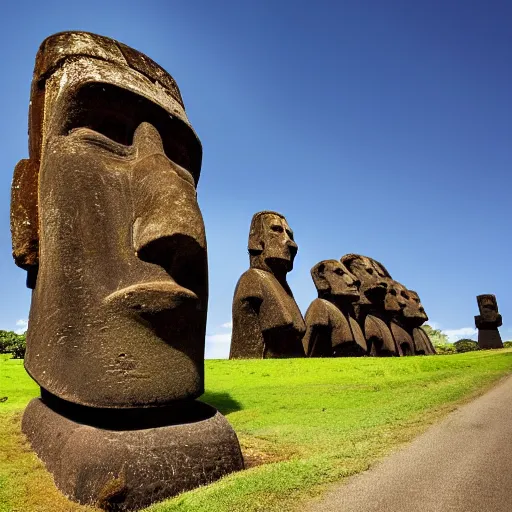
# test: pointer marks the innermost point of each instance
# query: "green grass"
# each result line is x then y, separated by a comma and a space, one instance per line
302, 424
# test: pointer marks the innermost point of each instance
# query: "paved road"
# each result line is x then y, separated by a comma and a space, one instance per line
463, 464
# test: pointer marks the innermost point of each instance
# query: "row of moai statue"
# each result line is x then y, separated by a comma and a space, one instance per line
488, 321
105, 221
360, 309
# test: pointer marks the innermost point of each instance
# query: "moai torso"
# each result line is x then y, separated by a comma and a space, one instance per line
331, 329
115, 244
266, 319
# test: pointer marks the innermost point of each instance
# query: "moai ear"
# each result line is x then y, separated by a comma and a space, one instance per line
255, 245
318, 275
24, 214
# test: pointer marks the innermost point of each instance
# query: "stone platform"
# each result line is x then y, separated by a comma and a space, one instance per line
98, 463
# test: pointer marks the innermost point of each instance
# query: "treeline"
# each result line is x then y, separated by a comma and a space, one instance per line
13, 343
443, 346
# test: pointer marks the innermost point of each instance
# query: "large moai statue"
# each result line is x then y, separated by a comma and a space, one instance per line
331, 328
488, 321
267, 322
406, 316
370, 309
105, 220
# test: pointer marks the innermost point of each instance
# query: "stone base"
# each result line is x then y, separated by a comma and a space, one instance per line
489, 338
120, 470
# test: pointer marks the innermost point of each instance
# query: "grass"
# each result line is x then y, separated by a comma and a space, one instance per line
302, 424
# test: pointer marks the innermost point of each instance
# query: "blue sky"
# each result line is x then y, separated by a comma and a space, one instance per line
377, 127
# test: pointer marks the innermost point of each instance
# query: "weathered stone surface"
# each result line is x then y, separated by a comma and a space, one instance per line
267, 322
331, 329
105, 220
120, 252
488, 321
370, 309
128, 469
390, 314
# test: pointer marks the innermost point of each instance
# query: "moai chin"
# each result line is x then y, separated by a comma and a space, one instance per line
370, 309
105, 220
488, 321
331, 329
267, 322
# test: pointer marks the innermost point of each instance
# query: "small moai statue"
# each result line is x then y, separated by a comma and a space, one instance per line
370, 309
267, 322
105, 220
488, 321
331, 329
407, 315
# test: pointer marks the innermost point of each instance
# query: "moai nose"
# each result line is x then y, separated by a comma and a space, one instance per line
147, 140
293, 247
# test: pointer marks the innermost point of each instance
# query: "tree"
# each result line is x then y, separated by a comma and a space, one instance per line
436, 335
11, 342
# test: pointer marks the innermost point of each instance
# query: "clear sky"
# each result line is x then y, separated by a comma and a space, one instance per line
379, 127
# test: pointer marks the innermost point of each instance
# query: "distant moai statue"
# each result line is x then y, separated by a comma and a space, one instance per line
331, 328
407, 315
488, 321
105, 220
370, 309
267, 322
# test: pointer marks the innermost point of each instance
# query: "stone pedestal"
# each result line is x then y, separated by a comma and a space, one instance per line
159, 452
489, 338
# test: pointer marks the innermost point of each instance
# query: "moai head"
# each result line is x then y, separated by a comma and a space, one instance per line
271, 244
105, 219
373, 276
404, 305
488, 307
333, 280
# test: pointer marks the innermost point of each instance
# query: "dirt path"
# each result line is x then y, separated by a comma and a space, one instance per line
463, 464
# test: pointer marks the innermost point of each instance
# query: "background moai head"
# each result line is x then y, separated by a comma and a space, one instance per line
488, 307
404, 305
105, 218
373, 276
333, 279
271, 244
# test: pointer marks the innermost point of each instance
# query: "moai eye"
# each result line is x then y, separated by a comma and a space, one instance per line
277, 228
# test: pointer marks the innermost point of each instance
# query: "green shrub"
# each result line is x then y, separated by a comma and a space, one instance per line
445, 348
507, 344
13, 343
466, 345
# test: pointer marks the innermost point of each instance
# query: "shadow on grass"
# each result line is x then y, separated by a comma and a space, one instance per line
221, 401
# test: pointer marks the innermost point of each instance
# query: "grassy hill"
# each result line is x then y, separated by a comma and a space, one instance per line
302, 424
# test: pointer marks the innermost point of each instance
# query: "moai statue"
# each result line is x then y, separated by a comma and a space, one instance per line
488, 321
331, 329
105, 220
267, 322
395, 302
407, 315
370, 309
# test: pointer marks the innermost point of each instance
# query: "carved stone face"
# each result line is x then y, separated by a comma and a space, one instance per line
488, 307
332, 278
119, 307
373, 276
404, 304
272, 238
